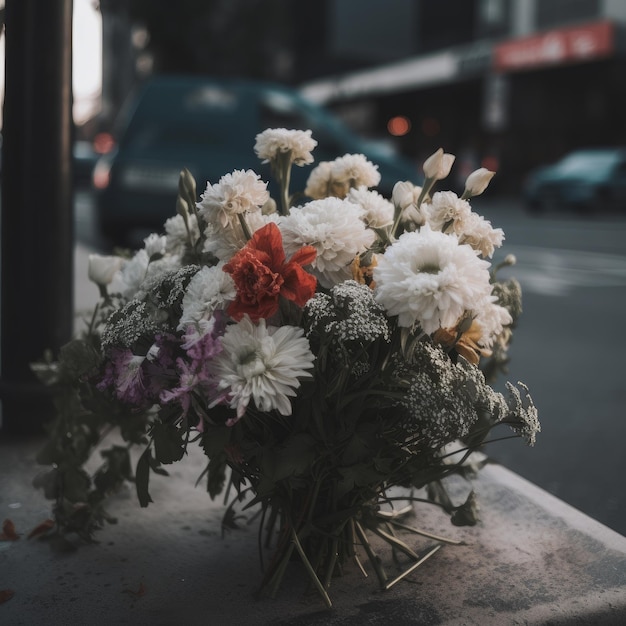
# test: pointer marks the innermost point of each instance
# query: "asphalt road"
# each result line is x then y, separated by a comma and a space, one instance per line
568, 348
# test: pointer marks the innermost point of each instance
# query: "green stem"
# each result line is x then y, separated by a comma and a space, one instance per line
310, 570
380, 572
413, 567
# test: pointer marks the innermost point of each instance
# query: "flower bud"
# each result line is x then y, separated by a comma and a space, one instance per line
438, 165
403, 194
102, 269
477, 181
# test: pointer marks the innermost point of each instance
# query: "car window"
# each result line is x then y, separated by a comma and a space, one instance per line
584, 162
203, 115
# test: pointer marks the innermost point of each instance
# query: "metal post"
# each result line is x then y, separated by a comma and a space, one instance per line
37, 237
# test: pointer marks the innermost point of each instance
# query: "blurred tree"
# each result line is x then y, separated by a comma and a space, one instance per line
251, 38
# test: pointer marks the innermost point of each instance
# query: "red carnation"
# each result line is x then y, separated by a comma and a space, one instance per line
262, 274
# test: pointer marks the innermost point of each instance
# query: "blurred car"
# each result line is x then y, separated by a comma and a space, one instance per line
209, 127
592, 180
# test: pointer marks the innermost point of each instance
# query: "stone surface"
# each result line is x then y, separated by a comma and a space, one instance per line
531, 560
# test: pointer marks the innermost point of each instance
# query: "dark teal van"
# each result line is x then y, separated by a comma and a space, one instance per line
209, 126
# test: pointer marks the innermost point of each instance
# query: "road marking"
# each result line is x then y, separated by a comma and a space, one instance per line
555, 272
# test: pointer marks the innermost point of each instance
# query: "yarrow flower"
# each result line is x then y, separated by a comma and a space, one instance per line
262, 275
334, 228
273, 142
428, 278
262, 364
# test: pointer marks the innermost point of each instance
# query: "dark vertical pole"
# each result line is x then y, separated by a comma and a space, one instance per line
37, 238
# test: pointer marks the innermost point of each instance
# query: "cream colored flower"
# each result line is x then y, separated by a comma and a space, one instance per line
318, 185
236, 193
438, 165
446, 208
273, 142
377, 211
477, 232
102, 269
351, 171
477, 181
405, 196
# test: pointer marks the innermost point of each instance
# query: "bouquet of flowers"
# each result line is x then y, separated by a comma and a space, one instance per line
321, 348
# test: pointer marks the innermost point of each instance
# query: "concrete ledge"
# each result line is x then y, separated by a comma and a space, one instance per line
531, 560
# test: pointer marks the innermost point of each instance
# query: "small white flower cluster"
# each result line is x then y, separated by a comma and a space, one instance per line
445, 399
347, 314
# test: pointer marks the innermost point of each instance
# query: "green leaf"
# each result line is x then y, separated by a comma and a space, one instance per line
168, 443
467, 513
78, 358
142, 478
216, 475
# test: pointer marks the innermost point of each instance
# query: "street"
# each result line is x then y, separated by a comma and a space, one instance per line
568, 349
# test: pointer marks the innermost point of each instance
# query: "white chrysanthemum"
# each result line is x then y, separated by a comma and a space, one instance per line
176, 236
447, 207
235, 193
478, 233
275, 141
428, 278
335, 229
263, 364
356, 170
377, 211
210, 289
225, 242
131, 276
318, 183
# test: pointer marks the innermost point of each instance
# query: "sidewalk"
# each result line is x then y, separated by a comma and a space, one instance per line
531, 560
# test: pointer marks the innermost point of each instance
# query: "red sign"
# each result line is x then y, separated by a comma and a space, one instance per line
556, 47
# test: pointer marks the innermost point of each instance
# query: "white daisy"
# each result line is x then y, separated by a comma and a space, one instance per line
276, 141
210, 289
235, 193
335, 229
430, 279
263, 364
377, 211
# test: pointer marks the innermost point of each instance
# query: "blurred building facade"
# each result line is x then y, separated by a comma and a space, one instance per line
507, 83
